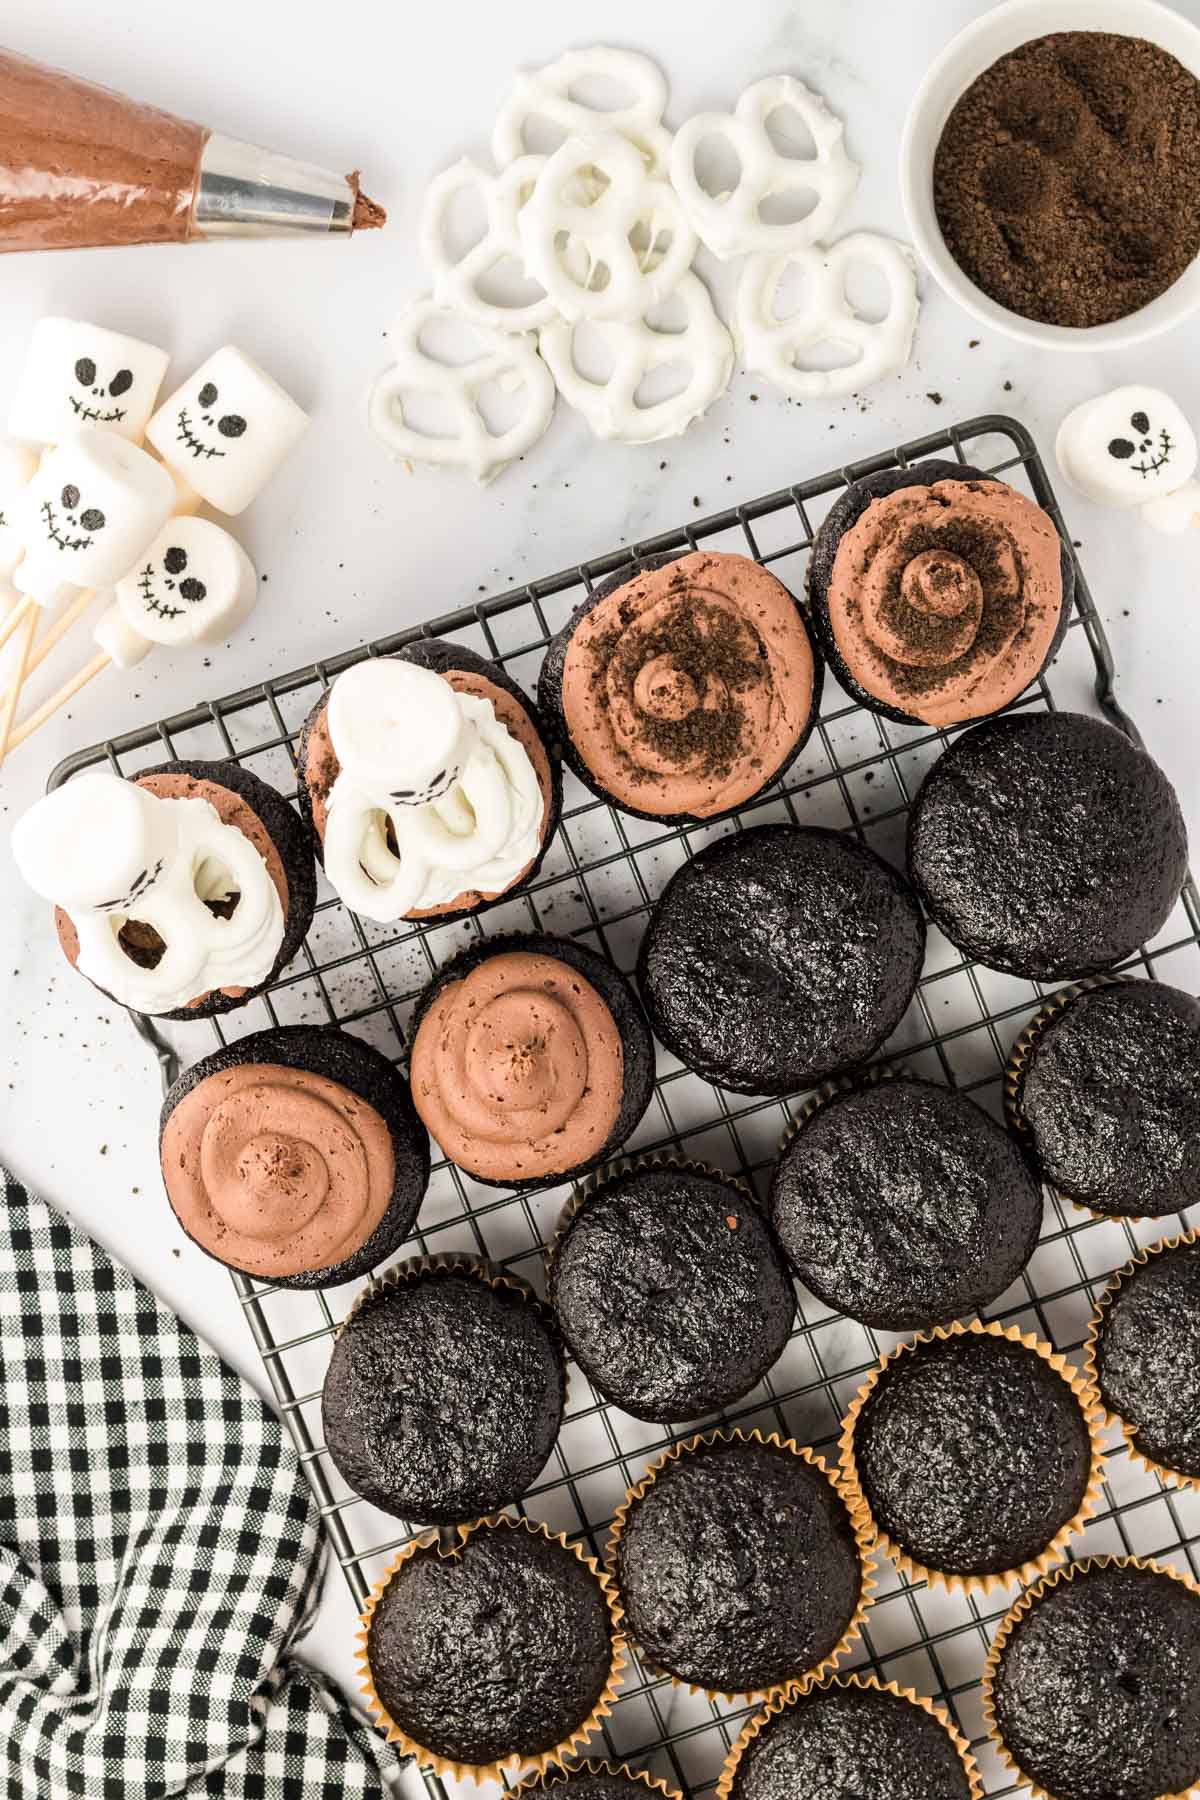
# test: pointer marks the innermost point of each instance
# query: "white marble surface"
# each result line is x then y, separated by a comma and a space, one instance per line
355, 546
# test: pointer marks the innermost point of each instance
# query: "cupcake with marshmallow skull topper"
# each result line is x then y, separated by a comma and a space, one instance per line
427, 784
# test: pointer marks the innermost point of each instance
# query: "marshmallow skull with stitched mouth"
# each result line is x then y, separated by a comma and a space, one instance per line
194, 585
93, 507
227, 429
1127, 447
79, 376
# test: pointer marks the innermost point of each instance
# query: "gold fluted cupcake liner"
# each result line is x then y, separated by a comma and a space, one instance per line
838, 1086
617, 1169
543, 1761
1173, 1477
866, 1561
1023, 1604
561, 1772
865, 1683
1036, 1566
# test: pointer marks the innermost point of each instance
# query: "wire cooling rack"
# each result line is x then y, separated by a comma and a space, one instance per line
859, 773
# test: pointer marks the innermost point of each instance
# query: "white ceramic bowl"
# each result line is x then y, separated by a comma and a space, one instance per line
968, 55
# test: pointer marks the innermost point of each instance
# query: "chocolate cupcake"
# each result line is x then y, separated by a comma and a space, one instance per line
294, 1156
902, 1204
1143, 1356
501, 1650
670, 1290
739, 1565
1090, 1688
973, 1454
531, 1060
595, 1781
780, 956
938, 593
683, 685
1047, 845
427, 784
875, 1742
182, 893
445, 1391
1104, 1089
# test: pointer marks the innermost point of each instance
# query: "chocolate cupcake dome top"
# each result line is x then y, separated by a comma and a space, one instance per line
1145, 1355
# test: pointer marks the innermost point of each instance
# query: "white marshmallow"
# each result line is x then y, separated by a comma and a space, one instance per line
227, 429
108, 851
94, 506
78, 375
1175, 512
460, 792
1126, 447
549, 94
17, 466
194, 585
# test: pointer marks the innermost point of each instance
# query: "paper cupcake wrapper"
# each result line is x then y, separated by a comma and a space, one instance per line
446, 1262
1026, 1571
866, 1561
590, 1766
1016, 1612
1172, 1477
838, 1086
617, 1169
448, 1543
867, 1683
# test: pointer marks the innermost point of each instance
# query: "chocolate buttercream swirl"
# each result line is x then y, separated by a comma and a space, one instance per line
277, 1171
944, 600
686, 689
518, 1069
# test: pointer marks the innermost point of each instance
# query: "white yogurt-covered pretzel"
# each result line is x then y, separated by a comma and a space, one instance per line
456, 281
546, 94
770, 346
732, 224
578, 233
636, 349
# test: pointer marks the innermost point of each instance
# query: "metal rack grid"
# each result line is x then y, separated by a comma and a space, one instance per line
859, 772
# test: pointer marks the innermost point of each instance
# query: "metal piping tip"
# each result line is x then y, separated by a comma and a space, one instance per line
243, 191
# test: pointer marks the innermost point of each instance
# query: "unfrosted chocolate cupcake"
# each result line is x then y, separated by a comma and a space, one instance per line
670, 1290
683, 686
938, 593
779, 956
1091, 1685
294, 1156
902, 1204
1105, 1089
1047, 845
445, 1392
1145, 1355
531, 1059
595, 1781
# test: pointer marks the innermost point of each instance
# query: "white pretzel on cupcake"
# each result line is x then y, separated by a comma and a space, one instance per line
507, 358
1133, 447
732, 224
637, 349
772, 346
456, 280
546, 93
604, 249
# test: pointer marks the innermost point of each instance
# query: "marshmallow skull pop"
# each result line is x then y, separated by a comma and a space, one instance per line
17, 465
194, 585
111, 854
78, 375
433, 795
226, 430
1132, 447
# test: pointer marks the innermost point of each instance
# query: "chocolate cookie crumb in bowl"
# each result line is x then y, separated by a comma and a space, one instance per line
779, 956
294, 1156
1047, 845
883, 1741
938, 594
595, 1781
500, 1650
1090, 1686
683, 688
669, 1288
739, 1565
1103, 1087
902, 1204
445, 1391
974, 1455
531, 1060
1143, 1357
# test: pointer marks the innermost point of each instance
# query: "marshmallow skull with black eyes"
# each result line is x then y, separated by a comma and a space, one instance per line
226, 430
195, 584
79, 376
1129, 447
94, 506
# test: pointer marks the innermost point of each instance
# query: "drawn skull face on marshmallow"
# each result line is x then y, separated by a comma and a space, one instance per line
79, 376
193, 585
227, 429
94, 505
1127, 447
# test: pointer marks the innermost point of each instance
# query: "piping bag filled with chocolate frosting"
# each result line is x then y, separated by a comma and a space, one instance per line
81, 165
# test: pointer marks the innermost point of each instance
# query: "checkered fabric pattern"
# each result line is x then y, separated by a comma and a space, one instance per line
160, 1552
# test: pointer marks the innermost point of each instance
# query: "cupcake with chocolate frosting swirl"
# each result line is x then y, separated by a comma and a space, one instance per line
683, 688
938, 593
531, 1060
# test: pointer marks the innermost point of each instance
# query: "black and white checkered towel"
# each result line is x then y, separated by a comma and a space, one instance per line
160, 1552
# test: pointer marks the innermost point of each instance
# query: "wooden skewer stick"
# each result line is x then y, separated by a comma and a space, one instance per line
25, 605
24, 646
56, 633
66, 692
